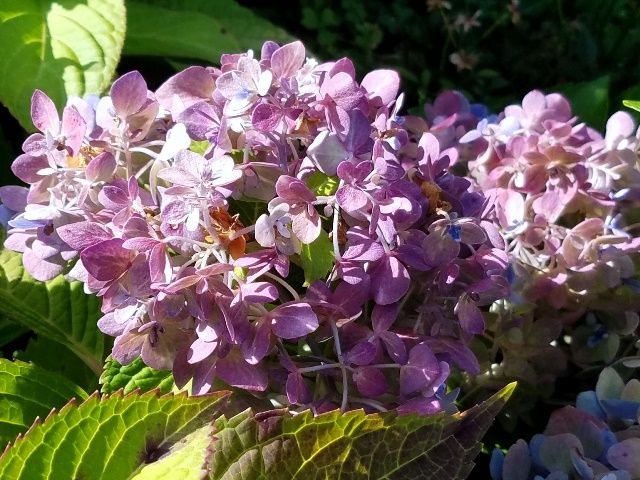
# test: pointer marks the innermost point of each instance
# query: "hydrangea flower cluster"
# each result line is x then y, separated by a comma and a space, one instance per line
596, 439
566, 202
270, 223
562, 193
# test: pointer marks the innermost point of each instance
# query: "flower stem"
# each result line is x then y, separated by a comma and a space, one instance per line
345, 380
282, 282
336, 221
322, 366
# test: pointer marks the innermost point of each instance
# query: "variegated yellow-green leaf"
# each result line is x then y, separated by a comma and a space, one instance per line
186, 460
342, 446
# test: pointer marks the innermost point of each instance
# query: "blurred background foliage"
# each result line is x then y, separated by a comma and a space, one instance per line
494, 51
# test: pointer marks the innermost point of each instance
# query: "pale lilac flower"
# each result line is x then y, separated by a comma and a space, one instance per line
305, 220
243, 87
66, 135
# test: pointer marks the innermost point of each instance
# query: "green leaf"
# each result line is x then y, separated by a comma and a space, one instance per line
132, 376
199, 146
277, 445
198, 29
317, 258
634, 104
185, 460
63, 48
110, 437
27, 392
9, 331
57, 358
248, 210
57, 309
589, 100
322, 184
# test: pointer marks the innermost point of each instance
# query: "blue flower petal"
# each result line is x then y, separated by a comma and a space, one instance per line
622, 409
495, 465
534, 448
588, 402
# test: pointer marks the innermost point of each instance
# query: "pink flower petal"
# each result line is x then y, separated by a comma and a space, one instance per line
286, 60
382, 86
128, 94
44, 113
107, 260
81, 235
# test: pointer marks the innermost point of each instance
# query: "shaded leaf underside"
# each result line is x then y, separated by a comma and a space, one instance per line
353, 445
198, 29
57, 309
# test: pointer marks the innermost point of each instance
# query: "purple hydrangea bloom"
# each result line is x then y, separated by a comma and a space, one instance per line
196, 211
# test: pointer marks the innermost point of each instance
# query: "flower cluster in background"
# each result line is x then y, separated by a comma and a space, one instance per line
272, 223
566, 203
596, 439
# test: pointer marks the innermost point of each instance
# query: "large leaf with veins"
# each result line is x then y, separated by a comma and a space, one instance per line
64, 48
57, 310
340, 446
27, 392
151, 437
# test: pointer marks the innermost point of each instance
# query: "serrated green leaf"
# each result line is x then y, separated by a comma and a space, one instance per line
132, 376
110, 437
322, 184
341, 446
185, 460
63, 48
57, 309
27, 392
634, 104
198, 29
317, 258
57, 358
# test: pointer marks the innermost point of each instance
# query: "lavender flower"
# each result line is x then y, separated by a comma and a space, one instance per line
191, 210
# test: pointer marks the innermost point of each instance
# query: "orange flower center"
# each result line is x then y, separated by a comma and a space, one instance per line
226, 226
